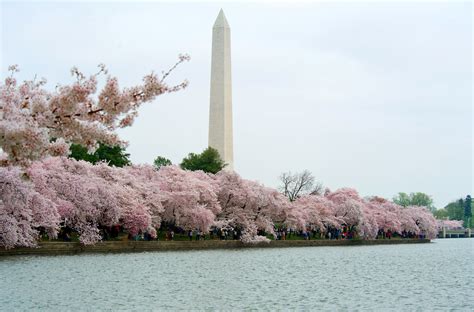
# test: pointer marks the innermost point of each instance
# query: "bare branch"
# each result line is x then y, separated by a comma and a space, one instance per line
295, 185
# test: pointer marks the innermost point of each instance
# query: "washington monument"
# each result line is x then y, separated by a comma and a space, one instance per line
220, 111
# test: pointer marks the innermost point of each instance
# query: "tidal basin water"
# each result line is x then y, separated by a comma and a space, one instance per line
420, 277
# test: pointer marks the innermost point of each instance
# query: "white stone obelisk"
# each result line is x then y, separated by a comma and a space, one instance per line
220, 111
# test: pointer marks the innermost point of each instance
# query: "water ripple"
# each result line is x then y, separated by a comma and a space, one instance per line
433, 277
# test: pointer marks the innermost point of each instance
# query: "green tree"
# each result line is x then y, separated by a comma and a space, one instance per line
161, 161
455, 209
112, 155
402, 199
441, 214
208, 161
414, 199
468, 211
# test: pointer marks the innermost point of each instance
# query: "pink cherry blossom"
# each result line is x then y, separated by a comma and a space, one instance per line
386, 213
424, 220
23, 211
58, 191
248, 206
450, 224
189, 198
36, 123
84, 201
348, 206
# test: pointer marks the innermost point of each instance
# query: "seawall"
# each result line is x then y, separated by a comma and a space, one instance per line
69, 248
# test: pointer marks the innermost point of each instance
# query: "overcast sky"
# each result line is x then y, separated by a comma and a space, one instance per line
375, 96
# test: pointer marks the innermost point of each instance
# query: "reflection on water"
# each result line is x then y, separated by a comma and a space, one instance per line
410, 277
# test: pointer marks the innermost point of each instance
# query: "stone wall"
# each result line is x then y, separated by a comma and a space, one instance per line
65, 248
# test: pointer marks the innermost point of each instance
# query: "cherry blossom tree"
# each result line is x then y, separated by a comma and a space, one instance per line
318, 212
386, 213
271, 205
450, 224
294, 215
23, 211
408, 222
87, 197
189, 198
83, 201
368, 228
355, 213
424, 220
142, 207
348, 206
36, 123
248, 206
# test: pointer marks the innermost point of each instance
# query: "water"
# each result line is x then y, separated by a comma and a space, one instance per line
436, 276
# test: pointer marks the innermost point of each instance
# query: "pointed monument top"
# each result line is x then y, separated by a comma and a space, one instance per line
221, 21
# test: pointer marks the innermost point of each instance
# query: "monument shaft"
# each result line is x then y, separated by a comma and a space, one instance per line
220, 112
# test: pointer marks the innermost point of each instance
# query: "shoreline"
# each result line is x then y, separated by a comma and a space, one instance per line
74, 248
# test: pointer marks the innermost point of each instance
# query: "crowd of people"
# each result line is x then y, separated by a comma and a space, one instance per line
172, 233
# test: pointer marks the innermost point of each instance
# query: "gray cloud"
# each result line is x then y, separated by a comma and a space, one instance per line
372, 96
